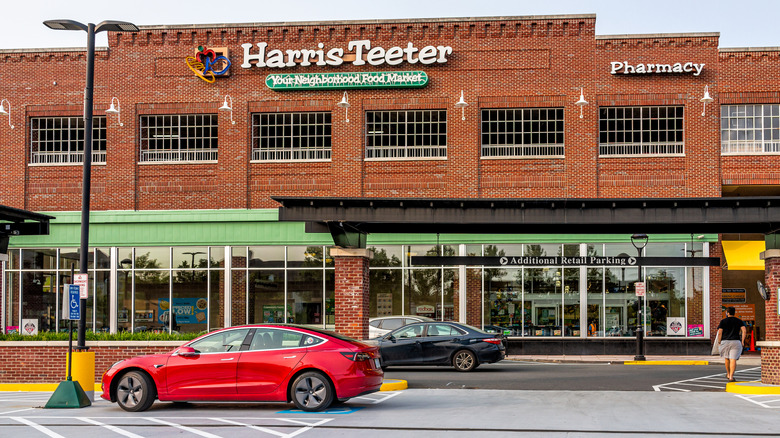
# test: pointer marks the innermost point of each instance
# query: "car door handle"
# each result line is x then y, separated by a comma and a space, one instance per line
290, 357
229, 358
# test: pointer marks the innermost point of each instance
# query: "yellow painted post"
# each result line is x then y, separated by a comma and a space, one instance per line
84, 371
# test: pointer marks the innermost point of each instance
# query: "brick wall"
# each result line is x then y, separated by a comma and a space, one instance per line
770, 356
534, 62
352, 286
48, 364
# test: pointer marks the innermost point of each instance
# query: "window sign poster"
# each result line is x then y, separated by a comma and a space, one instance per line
384, 304
30, 327
733, 296
696, 330
273, 313
674, 326
185, 310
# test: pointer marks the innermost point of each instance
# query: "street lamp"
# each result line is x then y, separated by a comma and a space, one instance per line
91, 29
639, 241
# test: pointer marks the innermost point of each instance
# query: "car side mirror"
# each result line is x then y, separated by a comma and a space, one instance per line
187, 352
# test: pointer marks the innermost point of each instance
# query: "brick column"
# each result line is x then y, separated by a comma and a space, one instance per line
770, 347
352, 291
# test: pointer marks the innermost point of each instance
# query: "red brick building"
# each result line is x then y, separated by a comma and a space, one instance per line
217, 120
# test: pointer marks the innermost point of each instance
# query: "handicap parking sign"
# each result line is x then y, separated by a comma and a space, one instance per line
74, 302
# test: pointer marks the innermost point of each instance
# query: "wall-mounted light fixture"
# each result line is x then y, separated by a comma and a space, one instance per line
706, 99
6, 112
344, 104
462, 104
582, 102
115, 110
228, 106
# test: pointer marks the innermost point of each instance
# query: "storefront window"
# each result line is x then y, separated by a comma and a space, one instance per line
266, 297
304, 296
540, 301
504, 298
423, 291
385, 291
215, 309
263, 256
188, 313
152, 300
665, 302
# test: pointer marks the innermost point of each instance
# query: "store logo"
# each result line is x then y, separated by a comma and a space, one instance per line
676, 326
207, 64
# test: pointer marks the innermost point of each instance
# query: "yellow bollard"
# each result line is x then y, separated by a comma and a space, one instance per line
83, 371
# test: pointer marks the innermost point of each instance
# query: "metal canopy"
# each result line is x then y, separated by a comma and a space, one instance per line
14, 221
545, 216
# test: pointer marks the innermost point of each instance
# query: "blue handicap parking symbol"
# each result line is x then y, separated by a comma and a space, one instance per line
343, 410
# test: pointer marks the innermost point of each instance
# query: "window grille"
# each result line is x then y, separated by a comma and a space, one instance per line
185, 137
749, 129
646, 130
291, 136
525, 132
60, 140
406, 134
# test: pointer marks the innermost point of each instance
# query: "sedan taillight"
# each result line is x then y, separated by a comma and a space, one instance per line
495, 341
357, 357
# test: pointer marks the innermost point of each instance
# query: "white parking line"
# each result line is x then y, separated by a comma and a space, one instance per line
109, 427
17, 410
308, 426
38, 427
185, 428
762, 403
382, 397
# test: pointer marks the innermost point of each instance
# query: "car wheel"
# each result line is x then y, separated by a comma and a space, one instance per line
464, 360
312, 391
135, 392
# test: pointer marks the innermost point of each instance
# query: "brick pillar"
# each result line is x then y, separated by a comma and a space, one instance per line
352, 291
770, 347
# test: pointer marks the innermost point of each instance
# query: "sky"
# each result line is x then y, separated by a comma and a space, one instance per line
741, 23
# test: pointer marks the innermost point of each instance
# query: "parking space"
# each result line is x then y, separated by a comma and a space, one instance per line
711, 382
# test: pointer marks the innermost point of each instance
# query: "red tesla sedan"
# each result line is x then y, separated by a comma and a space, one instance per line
280, 363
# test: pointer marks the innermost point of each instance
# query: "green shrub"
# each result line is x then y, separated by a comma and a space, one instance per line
101, 336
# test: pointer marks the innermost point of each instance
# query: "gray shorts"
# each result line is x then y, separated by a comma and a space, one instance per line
731, 349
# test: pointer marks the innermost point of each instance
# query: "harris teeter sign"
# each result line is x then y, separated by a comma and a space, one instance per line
330, 81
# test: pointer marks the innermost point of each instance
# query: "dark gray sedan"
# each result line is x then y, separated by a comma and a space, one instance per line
440, 343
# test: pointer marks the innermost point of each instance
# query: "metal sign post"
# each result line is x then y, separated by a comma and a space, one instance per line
69, 393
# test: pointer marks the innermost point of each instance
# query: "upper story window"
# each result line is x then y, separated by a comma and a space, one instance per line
749, 129
406, 134
185, 137
60, 140
645, 130
526, 132
291, 136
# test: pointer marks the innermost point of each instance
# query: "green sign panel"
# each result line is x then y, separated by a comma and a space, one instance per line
330, 81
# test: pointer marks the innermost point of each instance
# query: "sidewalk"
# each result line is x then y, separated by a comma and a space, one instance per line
746, 359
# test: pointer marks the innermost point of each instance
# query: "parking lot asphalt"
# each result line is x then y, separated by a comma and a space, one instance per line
414, 413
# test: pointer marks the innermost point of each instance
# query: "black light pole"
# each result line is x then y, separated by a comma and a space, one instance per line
91, 29
639, 241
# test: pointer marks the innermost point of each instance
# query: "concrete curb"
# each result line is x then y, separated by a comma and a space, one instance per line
666, 362
394, 385
754, 387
